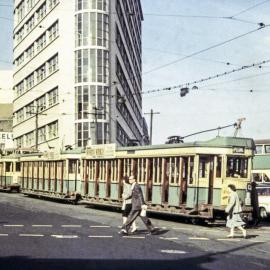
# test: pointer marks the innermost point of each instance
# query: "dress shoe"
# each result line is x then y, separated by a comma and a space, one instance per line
230, 236
123, 232
153, 231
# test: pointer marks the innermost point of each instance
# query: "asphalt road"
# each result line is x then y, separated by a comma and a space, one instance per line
38, 234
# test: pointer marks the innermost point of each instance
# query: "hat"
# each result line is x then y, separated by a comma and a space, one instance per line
131, 177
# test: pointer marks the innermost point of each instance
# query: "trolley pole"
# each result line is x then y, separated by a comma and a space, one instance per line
151, 123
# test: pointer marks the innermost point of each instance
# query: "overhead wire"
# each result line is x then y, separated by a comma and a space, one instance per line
204, 50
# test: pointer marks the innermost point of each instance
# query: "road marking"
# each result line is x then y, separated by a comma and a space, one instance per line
71, 226
64, 236
31, 235
258, 249
173, 251
3, 234
100, 236
168, 238
178, 228
37, 225
134, 237
257, 241
13, 225
100, 226
229, 239
198, 238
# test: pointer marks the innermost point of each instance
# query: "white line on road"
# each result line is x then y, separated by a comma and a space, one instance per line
229, 239
178, 228
41, 225
3, 234
64, 236
198, 238
134, 237
173, 251
100, 226
31, 235
100, 236
71, 226
169, 238
13, 225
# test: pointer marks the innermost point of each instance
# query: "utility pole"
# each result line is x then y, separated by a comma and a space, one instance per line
151, 123
96, 114
36, 113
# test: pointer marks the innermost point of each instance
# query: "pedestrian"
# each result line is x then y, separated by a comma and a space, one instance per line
126, 206
234, 209
138, 209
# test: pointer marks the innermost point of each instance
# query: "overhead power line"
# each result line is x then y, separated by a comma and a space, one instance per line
247, 9
207, 78
206, 49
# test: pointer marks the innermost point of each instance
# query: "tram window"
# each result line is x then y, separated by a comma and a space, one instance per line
18, 166
263, 191
259, 149
257, 177
72, 165
218, 167
265, 178
174, 170
202, 167
237, 167
267, 149
8, 166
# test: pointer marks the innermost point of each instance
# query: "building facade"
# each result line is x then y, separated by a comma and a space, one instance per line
77, 78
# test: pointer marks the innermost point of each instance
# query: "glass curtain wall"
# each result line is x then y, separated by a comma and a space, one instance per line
92, 71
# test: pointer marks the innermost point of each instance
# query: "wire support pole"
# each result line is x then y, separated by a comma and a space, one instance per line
151, 123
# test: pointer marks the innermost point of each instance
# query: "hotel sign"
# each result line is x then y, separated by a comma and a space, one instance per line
6, 139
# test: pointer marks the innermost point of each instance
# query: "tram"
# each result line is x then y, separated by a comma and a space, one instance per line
187, 179
184, 179
261, 162
52, 175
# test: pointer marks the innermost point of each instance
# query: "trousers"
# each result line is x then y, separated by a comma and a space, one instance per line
132, 216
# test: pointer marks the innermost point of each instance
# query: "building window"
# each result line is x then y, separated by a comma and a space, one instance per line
29, 139
41, 42
20, 11
19, 141
41, 12
20, 115
52, 3
41, 134
30, 110
41, 73
52, 130
30, 81
53, 64
30, 51
53, 31
30, 4
20, 88
30, 24
41, 103
53, 97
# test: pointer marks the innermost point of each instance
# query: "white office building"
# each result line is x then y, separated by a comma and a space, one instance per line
77, 73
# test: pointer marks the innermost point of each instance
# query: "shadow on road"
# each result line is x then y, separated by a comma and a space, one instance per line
213, 260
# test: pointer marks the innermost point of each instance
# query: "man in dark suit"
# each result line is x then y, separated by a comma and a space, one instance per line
138, 207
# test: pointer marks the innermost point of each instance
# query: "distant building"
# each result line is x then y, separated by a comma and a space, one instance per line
77, 76
6, 136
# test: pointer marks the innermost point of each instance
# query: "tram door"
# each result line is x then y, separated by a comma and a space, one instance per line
210, 179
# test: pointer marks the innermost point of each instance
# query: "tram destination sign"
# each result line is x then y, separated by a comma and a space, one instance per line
239, 150
101, 151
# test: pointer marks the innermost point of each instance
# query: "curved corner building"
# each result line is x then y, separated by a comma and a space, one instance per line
77, 73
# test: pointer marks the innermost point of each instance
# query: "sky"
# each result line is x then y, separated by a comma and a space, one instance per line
173, 29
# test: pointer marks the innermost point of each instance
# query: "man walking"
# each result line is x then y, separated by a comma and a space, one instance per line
138, 204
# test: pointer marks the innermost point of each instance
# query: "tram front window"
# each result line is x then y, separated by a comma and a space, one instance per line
237, 167
259, 149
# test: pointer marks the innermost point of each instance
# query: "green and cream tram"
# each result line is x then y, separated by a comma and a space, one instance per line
188, 179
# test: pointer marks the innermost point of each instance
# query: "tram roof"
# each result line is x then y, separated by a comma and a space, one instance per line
264, 141
217, 142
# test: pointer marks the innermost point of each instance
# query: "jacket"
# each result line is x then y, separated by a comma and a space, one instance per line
234, 206
137, 197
